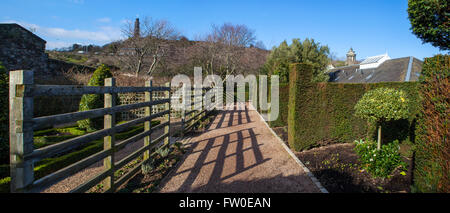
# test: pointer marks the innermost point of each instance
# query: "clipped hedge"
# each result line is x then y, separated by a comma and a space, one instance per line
4, 115
432, 168
323, 113
94, 101
283, 106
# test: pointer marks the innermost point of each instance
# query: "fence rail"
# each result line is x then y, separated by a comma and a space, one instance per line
22, 126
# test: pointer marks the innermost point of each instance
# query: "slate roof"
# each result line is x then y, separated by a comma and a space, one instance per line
393, 70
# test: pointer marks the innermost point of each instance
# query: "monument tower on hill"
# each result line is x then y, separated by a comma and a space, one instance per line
137, 30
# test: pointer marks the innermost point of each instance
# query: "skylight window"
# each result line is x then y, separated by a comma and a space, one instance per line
370, 76
351, 77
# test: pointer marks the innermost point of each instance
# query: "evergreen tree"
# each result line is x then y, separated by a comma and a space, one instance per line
430, 21
308, 52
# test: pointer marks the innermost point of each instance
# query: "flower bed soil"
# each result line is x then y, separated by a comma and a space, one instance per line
338, 170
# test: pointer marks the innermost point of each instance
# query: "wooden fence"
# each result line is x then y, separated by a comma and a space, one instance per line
22, 125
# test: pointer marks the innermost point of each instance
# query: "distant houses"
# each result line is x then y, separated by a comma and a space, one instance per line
380, 68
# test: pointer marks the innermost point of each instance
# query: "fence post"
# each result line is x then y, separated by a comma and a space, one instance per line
148, 113
109, 141
167, 128
20, 129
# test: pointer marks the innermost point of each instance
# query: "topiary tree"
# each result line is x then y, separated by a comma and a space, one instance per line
4, 115
94, 101
430, 21
383, 105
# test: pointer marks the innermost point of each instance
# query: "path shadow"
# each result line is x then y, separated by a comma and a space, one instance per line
276, 184
235, 152
242, 117
222, 143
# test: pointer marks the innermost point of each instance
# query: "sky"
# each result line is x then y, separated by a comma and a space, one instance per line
370, 27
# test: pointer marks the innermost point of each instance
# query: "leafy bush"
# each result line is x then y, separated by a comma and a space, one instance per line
432, 168
4, 115
382, 105
379, 163
94, 101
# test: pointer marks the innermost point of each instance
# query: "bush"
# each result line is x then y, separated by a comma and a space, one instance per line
432, 170
94, 101
379, 163
4, 115
324, 113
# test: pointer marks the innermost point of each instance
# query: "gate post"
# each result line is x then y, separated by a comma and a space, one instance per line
20, 129
109, 141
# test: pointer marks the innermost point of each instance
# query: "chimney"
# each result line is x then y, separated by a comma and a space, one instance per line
351, 57
137, 30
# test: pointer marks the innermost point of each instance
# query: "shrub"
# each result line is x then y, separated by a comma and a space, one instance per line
432, 169
379, 163
4, 115
382, 105
94, 101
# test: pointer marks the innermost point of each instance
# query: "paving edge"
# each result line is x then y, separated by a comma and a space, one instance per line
288, 150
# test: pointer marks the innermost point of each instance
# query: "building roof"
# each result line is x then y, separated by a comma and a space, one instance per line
393, 70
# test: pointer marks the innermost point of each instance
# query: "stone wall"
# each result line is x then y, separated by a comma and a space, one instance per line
21, 49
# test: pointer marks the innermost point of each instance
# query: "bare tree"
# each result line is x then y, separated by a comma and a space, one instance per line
145, 48
223, 48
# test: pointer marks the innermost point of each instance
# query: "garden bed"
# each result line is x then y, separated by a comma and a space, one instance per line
337, 168
147, 183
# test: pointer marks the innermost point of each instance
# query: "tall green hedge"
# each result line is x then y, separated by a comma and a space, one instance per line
281, 121
4, 115
323, 113
94, 101
432, 168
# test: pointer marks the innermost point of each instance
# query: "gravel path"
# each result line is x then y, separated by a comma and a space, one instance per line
238, 153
